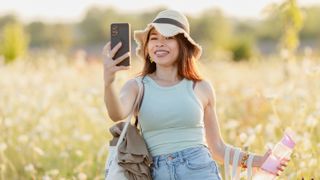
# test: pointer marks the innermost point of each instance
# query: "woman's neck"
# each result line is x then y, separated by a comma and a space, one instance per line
169, 74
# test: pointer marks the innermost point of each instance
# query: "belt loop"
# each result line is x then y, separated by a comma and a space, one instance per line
156, 162
181, 157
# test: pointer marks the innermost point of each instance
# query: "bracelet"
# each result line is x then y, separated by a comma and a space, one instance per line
244, 159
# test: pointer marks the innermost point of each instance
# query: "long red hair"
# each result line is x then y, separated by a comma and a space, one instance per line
186, 60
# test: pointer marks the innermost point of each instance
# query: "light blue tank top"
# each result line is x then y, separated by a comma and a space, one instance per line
171, 117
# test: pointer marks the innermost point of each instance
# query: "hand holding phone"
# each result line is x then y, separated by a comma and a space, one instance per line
120, 32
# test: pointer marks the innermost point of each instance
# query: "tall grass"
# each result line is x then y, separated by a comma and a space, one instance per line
54, 124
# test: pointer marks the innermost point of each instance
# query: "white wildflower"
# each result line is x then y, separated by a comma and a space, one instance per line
232, 124
82, 176
86, 137
79, 153
46, 177
29, 168
311, 121
23, 138
302, 164
64, 154
258, 128
39, 151
313, 162
3, 146
54, 172
243, 137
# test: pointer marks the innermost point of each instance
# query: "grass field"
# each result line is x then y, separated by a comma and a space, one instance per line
54, 125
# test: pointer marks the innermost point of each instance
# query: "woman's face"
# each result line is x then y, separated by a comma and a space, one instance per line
162, 50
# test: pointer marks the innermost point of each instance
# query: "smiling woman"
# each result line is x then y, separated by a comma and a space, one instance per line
177, 115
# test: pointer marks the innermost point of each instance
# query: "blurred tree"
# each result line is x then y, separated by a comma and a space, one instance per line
292, 22
14, 43
58, 36
39, 34
10, 18
242, 48
212, 30
95, 27
311, 28
61, 36
269, 28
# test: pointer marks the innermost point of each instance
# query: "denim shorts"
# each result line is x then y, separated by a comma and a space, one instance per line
193, 163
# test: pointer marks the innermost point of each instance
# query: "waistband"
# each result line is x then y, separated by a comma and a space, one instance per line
179, 155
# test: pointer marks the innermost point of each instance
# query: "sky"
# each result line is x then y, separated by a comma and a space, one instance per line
74, 10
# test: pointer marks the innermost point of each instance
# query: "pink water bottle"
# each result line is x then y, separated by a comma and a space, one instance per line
282, 149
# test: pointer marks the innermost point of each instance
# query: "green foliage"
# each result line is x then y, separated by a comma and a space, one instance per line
269, 28
59, 36
14, 43
242, 49
212, 29
10, 18
292, 20
39, 34
311, 27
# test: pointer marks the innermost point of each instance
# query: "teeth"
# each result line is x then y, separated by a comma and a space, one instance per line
161, 52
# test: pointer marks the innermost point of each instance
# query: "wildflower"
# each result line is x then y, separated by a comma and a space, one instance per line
29, 168
82, 176
3, 147
311, 121
243, 137
79, 153
39, 151
23, 138
46, 177
54, 172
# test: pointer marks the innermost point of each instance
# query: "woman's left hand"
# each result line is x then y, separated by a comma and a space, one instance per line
283, 163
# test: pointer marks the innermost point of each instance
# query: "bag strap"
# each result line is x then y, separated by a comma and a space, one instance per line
249, 166
235, 168
140, 83
226, 162
128, 120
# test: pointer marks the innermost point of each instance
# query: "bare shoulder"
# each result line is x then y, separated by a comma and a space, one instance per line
206, 90
205, 86
131, 86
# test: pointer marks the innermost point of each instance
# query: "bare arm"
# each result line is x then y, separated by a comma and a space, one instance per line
118, 106
212, 129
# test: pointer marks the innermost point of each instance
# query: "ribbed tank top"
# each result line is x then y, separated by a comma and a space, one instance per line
171, 118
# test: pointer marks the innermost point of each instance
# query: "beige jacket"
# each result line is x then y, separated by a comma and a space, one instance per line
133, 153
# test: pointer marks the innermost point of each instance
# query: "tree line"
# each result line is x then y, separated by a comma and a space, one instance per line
212, 29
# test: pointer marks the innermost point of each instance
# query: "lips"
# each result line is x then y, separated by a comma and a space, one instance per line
161, 53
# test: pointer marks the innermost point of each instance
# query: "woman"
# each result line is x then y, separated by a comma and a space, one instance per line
178, 114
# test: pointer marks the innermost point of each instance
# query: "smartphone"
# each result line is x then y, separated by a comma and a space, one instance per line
120, 32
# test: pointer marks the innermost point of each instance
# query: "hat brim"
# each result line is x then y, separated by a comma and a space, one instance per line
166, 30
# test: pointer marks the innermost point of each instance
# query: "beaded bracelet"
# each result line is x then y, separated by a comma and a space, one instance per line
243, 162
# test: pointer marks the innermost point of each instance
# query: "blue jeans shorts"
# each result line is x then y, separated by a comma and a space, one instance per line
193, 163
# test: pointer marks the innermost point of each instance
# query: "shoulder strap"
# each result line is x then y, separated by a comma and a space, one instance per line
128, 120
194, 84
140, 96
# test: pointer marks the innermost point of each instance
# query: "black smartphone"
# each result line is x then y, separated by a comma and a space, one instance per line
120, 32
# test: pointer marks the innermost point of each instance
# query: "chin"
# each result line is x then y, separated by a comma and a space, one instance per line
164, 61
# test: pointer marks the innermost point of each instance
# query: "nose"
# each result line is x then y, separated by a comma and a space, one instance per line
160, 42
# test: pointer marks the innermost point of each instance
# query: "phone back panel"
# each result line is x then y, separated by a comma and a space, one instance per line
120, 32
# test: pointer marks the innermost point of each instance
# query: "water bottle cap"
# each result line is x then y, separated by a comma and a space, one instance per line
288, 141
